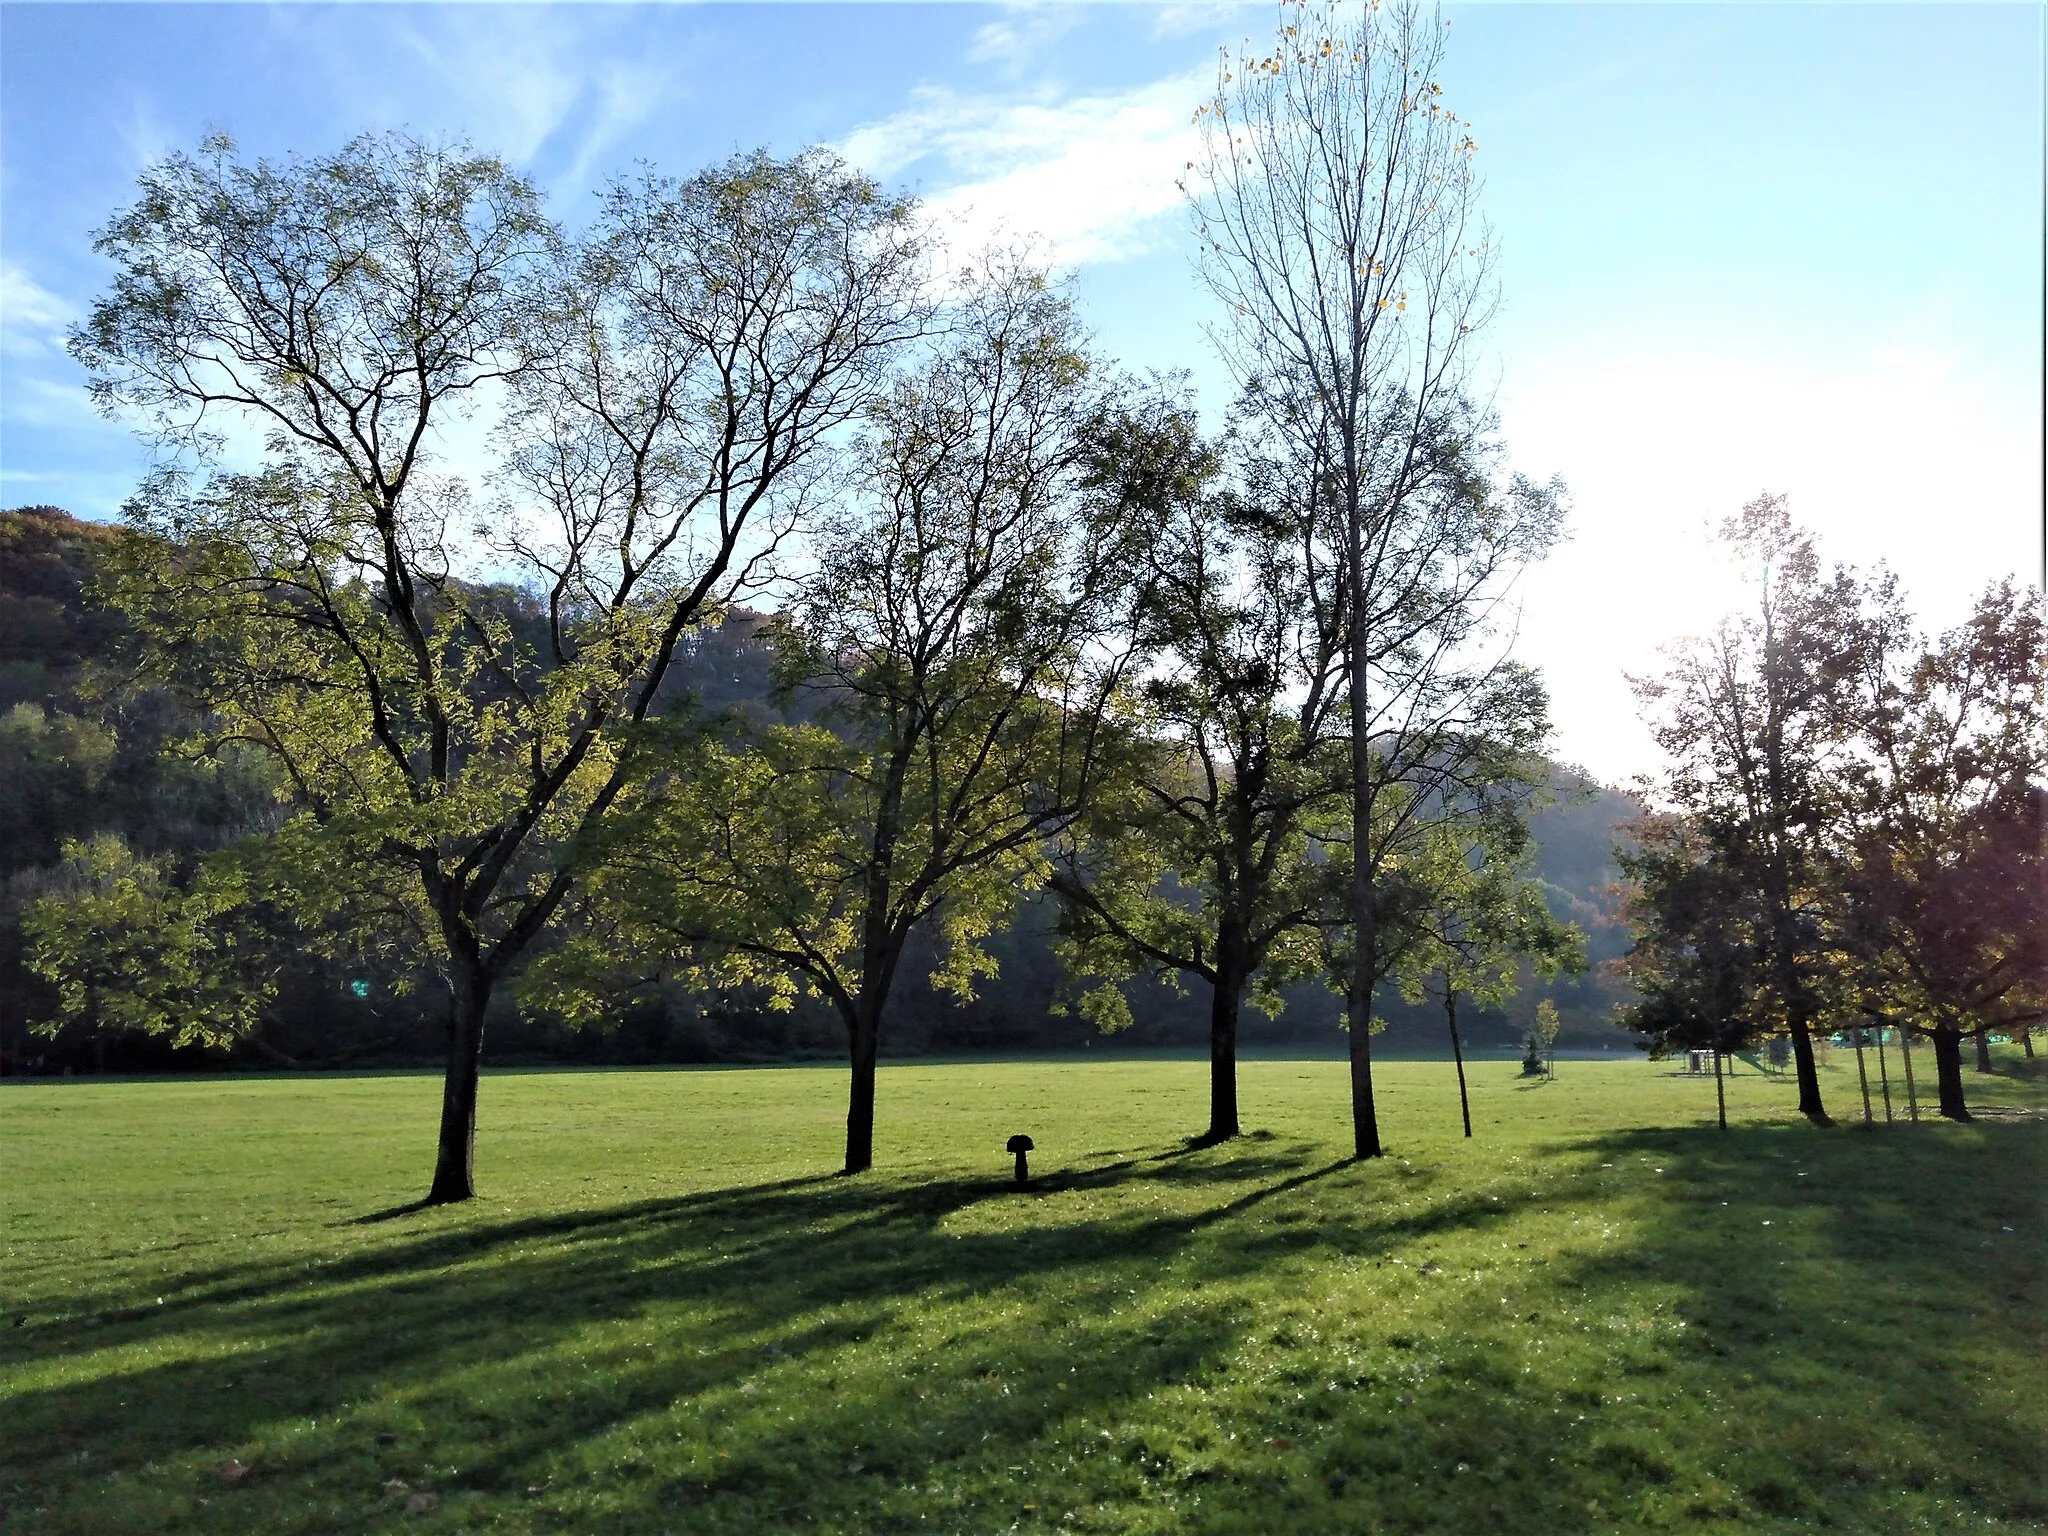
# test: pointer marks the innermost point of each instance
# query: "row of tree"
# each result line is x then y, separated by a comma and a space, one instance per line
82, 756
1853, 832
1244, 705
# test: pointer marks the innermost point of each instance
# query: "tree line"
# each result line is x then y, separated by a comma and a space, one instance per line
83, 756
1852, 835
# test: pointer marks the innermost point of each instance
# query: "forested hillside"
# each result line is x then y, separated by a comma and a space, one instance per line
84, 754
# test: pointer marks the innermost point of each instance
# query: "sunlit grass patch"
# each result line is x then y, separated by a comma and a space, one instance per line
664, 1314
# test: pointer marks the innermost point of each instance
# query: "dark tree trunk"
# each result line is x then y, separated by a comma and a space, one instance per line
1225, 1002
1948, 1072
1862, 1077
1365, 1123
1983, 1038
1809, 1074
1720, 1093
455, 1160
864, 1038
1906, 1060
1458, 1056
1884, 1077
2027, 1041
1365, 1126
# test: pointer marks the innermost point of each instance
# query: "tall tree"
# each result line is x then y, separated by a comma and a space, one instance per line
670, 385
1205, 858
954, 646
1756, 718
1333, 197
1940, 888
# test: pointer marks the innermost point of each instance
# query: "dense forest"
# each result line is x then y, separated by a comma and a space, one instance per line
87, 751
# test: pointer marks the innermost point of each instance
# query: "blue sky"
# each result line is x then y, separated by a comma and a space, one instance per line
1743, 247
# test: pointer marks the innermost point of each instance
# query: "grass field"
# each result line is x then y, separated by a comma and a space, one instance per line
1600, 1315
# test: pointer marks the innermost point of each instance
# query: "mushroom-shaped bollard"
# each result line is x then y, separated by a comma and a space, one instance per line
1020, 1145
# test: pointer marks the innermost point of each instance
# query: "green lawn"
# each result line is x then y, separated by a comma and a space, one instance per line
662, 1315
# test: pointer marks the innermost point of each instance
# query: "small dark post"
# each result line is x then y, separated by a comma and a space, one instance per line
1720, 1093
1021, 1145
1458, 1055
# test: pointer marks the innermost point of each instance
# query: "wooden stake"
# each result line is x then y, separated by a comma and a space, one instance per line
1862, 1077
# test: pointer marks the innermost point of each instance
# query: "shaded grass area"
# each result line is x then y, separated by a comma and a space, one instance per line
1602, 1314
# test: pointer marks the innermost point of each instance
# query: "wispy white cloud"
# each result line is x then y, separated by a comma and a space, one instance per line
1205, 16
503, 72
1022, 34
551, 89
627, 95
1092, 177
33, 320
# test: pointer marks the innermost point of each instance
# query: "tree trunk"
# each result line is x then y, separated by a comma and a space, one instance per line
1365, 1123
2027, 1040
455, 1161
1720, 1093
1458, 1055
1862, 1077
1983, 1038
1906, 1059
1948, 1072
864, 1038
1809, 1074
1225, 1001
1884, 1077
1365, 1126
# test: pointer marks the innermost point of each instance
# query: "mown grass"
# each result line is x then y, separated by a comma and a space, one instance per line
662, 1315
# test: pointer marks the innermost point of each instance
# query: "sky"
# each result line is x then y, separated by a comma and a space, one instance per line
1743, 248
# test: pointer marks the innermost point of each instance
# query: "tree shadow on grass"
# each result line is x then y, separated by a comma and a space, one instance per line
803, 1346
868, 1355
1858, 1337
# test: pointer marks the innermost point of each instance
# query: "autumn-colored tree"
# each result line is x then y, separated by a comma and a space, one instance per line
1940, 889
1756, 719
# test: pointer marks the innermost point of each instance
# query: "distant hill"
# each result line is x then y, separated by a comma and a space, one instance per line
80, 755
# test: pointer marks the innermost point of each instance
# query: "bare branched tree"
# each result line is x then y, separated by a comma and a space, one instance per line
1334, 199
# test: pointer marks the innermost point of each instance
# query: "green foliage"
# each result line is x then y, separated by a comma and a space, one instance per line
1204, 855
447, 693
1701, 958
128, 949
1473, 918
950, 644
